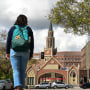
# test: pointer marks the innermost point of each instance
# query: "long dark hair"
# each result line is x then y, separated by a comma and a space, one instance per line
21, 20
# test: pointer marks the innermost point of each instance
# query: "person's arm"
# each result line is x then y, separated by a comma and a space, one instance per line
8, 42
31, 43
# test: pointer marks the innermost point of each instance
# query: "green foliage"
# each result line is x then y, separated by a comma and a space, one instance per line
5, 66
33, 61
2, 35
74, 15
6, 76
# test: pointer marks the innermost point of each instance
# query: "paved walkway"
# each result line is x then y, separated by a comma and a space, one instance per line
75, 88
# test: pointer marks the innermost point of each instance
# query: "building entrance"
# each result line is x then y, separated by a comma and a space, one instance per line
51, 77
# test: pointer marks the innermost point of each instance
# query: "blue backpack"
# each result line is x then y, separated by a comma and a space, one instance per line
20, 39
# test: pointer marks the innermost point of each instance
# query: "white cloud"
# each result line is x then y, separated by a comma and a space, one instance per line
68, 42
36, 10
40, 39
63, 41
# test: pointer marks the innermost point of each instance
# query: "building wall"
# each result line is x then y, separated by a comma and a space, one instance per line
88, 55
83, 59
85, 62
88, 60
30, 74
67, 59
85, 54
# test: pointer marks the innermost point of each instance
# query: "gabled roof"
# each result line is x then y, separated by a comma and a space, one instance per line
51, 59
27, 71
73, 66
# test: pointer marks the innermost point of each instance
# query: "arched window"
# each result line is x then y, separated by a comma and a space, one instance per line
73, 74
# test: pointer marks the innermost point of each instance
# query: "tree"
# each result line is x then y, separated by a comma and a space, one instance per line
32, 61
3, 35
5, 66
74, 15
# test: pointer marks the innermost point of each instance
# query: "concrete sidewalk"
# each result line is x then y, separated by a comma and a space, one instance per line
75, 88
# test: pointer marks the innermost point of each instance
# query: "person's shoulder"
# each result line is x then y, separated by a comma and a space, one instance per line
29, 28
12, 28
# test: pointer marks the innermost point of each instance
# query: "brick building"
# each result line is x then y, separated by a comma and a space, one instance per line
85, 62
69, 67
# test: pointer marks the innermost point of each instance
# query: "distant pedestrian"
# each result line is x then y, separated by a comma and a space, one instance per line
19, 49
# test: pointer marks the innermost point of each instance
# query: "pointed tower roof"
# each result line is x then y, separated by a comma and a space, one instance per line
50, 27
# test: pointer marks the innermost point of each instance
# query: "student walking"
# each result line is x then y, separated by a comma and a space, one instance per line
19, 49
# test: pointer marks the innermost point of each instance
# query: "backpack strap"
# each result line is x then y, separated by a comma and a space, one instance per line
25, 27
21, 27
16, 26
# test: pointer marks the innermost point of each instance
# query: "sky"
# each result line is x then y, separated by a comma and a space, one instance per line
37, 13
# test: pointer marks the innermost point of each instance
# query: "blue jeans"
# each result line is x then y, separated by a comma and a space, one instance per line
19, 62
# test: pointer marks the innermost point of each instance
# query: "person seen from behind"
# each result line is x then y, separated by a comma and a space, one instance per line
19, 49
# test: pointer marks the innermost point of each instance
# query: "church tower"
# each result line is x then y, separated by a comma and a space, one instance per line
50, 49
50, 43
